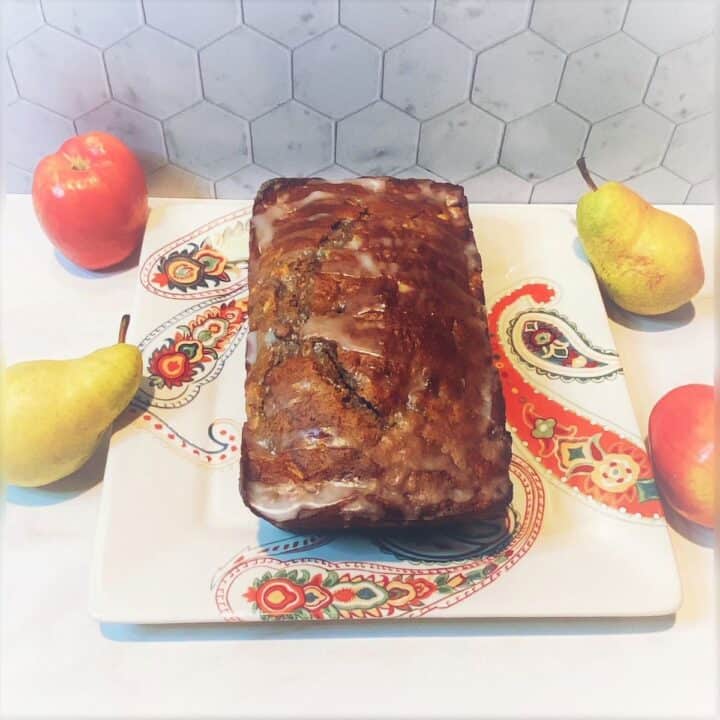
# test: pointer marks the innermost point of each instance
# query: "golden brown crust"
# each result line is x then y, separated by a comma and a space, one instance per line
371, 395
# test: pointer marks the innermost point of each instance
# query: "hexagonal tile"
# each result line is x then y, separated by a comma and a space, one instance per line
572, 25
246, 73
427, 74
482, 23
19, 18
291, 23
497, 186
192, 22
379, 140
336, 73
59, 72
543, 143
35, 132
142, 134
606, 78
682, 86
16, 180
628, 144
419, 172
664, 26
244, 184
208, 140
293, 140
703, 193
9, 90
386, 23
659, 186
172, 181
518, 76
567, 187
173, 84
100, 22
335, 172
460, 143
691, 152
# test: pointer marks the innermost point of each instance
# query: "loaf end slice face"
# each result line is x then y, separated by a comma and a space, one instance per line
371, 395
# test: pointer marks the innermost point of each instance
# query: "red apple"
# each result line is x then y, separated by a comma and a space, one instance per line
91, 200
682, 445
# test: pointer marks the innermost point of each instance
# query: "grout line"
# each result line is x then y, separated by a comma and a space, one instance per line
350, 31
434, 12
457, 39
562, 76
528, 21
141, 3
650, 79
625, 15
501, 144
667, 147
200, 75
241, 5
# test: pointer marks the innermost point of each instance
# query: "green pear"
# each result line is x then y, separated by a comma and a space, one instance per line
647, 260
55, 412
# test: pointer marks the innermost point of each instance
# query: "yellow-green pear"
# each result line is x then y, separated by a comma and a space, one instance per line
647, 260
54, 412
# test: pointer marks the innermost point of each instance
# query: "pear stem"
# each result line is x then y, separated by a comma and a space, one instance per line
582, 167
124, 323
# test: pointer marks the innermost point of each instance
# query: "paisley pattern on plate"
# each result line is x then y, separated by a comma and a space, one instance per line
189, 351
596, 462
209, 262
310, 588
220, 447
551, 345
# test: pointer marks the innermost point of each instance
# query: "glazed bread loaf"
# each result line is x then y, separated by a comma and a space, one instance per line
371, 395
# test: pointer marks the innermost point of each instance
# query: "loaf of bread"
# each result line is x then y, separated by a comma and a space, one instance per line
371, 395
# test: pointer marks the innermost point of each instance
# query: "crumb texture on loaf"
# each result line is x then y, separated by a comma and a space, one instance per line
371, 394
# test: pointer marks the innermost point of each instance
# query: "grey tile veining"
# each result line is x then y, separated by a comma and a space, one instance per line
460, 143
419, 172
335, 172
71, 87
682, 86
574, 24
477, 91
386, 23
517, 76
208, 140
35, 132
497, 186
18, 18
16, 180
379, 140
703, 193
194, 23
664, 26
606, 77
543, 143
691, 150
427, 74
244, 184
629, 143
173, 84
482, 23
100, 22
246, 73
291, 22
172, 181
142, 134
659, 186
336, 73
293, 140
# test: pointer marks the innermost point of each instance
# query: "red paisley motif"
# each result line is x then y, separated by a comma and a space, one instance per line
576, 450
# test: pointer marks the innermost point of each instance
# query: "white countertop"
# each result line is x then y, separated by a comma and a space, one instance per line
57, 661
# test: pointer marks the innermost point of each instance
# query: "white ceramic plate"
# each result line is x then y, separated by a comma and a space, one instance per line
585, 535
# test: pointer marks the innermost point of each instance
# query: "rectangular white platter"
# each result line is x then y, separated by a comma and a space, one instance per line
585, 536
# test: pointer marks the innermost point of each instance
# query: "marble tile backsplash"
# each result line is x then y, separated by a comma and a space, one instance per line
502, 96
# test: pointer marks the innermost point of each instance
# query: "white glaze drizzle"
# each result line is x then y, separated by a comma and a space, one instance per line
338, 330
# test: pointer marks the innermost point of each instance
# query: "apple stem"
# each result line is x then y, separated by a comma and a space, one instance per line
124, 323
582, 167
